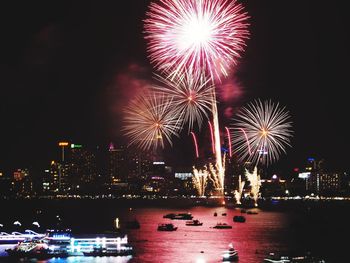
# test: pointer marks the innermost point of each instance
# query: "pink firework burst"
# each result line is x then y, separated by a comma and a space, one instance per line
191, 35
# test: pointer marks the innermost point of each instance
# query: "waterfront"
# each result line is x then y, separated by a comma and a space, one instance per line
293, 228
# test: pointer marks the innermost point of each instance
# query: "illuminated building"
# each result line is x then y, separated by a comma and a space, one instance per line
63, 145
22, 183
117, 165
83, 168
273, 187
184, 176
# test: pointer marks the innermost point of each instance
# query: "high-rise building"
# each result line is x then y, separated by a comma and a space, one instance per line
83, 167
22, 182
117, 164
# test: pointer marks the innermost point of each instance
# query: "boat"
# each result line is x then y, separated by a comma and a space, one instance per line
275, 258
15, 237
170, 216
215, 214
35, 248
251, 212
231, 255
224, 214
239, 219
194, 222
132, 224
183, 216
222, 226
102, 252
179, 216
166, 227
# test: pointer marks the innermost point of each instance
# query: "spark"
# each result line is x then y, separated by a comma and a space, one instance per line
195, 144
191, 35
229, 141
149, 121
266, 132
212, 137
200, 180
191, 96
255, 183
239, 191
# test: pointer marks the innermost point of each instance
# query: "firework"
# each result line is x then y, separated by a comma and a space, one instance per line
255, 183
195, 144
191, 35
261, 132
200, 180
149, 120
191, 96
239, 191
212, 137
229, 142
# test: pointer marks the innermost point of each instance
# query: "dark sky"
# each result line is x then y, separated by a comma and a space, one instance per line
65, 67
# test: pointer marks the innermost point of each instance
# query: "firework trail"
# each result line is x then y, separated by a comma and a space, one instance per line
229, 141
255, 183
200, 180
191, 96
220, 167
238, 193
195, 144
266, 132
247, 140
149, 121
212, 137
196, 35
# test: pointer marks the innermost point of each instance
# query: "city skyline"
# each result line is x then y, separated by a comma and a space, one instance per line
67, 74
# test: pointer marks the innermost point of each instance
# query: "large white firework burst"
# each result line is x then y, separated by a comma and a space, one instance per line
191, 35
192, 97
261, 132
149, 120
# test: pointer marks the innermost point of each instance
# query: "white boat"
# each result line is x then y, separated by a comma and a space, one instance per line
15, 237
231, 255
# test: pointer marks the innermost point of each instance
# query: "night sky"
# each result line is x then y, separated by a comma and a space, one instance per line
67, 69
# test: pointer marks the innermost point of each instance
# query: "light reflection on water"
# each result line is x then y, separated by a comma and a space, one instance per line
260, 234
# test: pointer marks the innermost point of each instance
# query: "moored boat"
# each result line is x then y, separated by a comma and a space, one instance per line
222, 226
194, 222
166, 227
239, 219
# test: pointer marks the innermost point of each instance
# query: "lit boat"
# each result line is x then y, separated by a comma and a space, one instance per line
34, 248
231, 255
15, 237
102, 252
62, 244
166, 227
273, 258
222, 226
194, 222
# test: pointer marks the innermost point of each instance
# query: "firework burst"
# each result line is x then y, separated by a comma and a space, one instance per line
255, 183
191, 97
149, 121
266, 132
200, 180
191, 35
